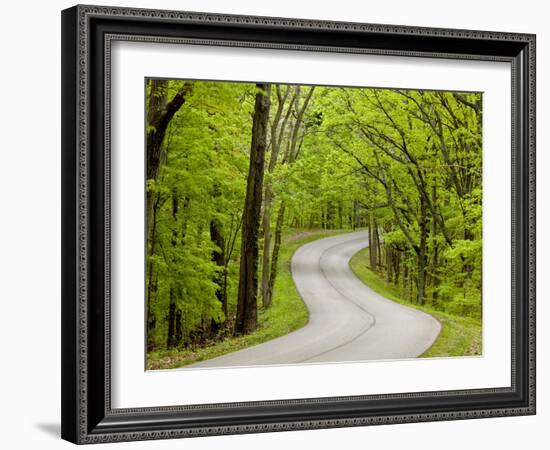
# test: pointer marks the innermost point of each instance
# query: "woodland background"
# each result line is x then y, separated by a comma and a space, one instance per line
239, 173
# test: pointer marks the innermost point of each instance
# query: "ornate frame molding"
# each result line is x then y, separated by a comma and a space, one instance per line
87, 421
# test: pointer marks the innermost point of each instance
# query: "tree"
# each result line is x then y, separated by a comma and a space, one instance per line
423, 149
159, 115
278, 131
247, 311
270, 257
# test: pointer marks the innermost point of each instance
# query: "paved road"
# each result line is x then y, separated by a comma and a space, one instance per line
347, 320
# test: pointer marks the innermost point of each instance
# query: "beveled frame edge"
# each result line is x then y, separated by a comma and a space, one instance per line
76, 222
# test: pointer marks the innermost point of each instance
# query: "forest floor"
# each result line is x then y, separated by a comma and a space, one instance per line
287, 313
459, 336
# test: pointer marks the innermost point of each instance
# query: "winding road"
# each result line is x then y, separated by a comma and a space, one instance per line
348, 321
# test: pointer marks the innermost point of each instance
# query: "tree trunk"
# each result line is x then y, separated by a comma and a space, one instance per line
389, 263
172, 310
435, 253
278, 128
276, 250
157, 101
421, 254
218, 257
247, 311
378, 244
230, 246
171, 336
269, 274
151, 284
374, 243
397, 267
372, 254
266, 302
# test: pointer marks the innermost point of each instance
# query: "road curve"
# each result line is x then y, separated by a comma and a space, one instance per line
348, 321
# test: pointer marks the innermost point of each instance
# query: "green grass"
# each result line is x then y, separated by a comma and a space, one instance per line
459, 336
286, 314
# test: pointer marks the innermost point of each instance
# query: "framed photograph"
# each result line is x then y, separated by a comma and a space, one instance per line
279, 224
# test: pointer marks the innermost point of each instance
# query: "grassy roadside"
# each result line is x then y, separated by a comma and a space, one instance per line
287, 313
460, 336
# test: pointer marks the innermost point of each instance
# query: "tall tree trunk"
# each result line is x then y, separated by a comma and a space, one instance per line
378, 244
389, 262
374, 244
228, 252
277, 136
172, 309
276, 250
151, 284
157, 101
266, 302
276, 140
247, 310
397, 266
435, 252
218, 257
421, 253
372, 254
171, 336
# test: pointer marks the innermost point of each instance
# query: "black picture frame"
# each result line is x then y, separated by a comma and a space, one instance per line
87, 416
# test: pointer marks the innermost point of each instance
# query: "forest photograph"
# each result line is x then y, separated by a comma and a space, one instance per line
297, 224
